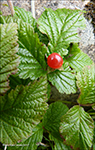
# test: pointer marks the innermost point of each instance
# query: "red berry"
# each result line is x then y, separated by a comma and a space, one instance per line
54, 61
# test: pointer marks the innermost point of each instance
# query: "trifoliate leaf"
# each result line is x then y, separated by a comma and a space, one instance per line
63, 51
93, 146
25, 16
32, 141
7, 19
2, 19
21, 110
59, 145
93, 106
0, 12
91, 112
20, 14
61, 27
94, 136
77, 128
51, 120
85, 82
77, 59
15, 80
64, 80
48, 90
32, 54
8, 57
43, 37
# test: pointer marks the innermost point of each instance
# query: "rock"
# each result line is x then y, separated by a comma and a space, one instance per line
87, 41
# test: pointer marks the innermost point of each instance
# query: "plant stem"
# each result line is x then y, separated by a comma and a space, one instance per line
92, 113
5, 148
33, 8
86, 104
11, 7
45, 145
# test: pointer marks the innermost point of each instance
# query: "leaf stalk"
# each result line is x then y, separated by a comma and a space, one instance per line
10, 3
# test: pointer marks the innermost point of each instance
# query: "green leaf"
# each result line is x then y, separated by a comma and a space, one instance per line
15, 80
8, 57
94, 137
52, 117
59, 145
93, 146
31, 141
77, 128
43, 37
85, 82
20, 15
61, 27
93, 106
91, 112
0, 12
25, 16
48, 90
64, 80
32, 54
77, 59
8, 19
21, 110
2, 19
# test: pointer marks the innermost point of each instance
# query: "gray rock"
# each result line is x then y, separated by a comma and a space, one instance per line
87, 41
